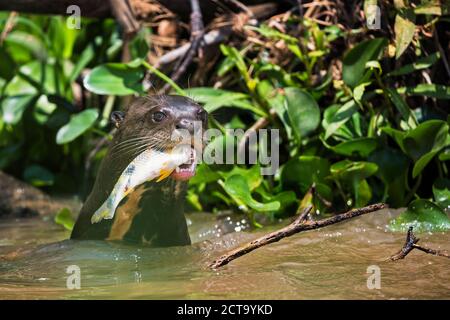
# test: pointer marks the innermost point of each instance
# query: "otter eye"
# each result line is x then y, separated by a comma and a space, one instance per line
158, 116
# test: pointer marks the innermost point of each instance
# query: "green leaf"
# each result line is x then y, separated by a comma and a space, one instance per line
300, 173
13, 107
236, 186
402, 107
204, 174
214, 99
65, 219
361, 146
354, 175
272, 33
8, 69
115, 79
393, 168
338, 118
86, 56
404, 30
252, 175
354, 62
77, 125
62, 37
303, 111
428, 90
420, 64
423, 215
38, 176
441, 192
424, 142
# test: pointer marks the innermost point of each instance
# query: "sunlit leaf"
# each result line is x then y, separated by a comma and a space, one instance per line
77, 125
65, 219
115, 79
236, 186
404, 30
423, 215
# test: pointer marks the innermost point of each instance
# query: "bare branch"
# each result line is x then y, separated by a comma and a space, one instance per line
299, 225
411, 244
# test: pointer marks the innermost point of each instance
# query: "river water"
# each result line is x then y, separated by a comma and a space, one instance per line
330, 263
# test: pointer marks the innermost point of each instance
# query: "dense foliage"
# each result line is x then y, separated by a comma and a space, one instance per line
363, 114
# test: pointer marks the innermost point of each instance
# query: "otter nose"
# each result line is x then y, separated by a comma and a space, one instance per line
185, 124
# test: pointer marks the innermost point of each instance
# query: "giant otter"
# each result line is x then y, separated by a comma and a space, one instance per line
153, 213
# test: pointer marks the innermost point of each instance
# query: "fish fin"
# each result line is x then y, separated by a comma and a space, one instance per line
164, 173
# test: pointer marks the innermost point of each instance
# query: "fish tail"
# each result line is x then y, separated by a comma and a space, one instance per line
104, 212
164, 173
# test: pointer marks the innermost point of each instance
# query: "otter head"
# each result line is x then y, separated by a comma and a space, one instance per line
161, 123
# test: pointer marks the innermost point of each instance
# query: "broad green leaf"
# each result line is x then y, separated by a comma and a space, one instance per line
354, 62
341, 116
424, 142
204, 174
300, 173
62, 37
65, 219
277, 102
395, 134
354, 175
404, 30
36, 77
361, 146
115, 79
236, 186
402, 107
393, 168
420, 64
214, 99
252, 175
441, 192
428, 90
303, 111
77, 125
423, 215
285, 198
24, 46
13, 107
38, 176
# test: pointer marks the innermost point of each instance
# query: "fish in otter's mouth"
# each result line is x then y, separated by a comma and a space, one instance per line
178, 163
186, 170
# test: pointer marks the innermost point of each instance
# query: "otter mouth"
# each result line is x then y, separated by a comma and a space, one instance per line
186, 170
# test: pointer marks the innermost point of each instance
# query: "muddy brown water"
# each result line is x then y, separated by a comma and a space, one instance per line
330, 263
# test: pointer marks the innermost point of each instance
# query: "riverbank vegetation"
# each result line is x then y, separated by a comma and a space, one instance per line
361, 100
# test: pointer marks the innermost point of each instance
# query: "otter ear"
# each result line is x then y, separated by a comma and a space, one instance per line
117, 118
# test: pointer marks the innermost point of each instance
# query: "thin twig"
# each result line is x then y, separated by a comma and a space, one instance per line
299, 225
9, 25
197, 33
212, 37
411, 244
